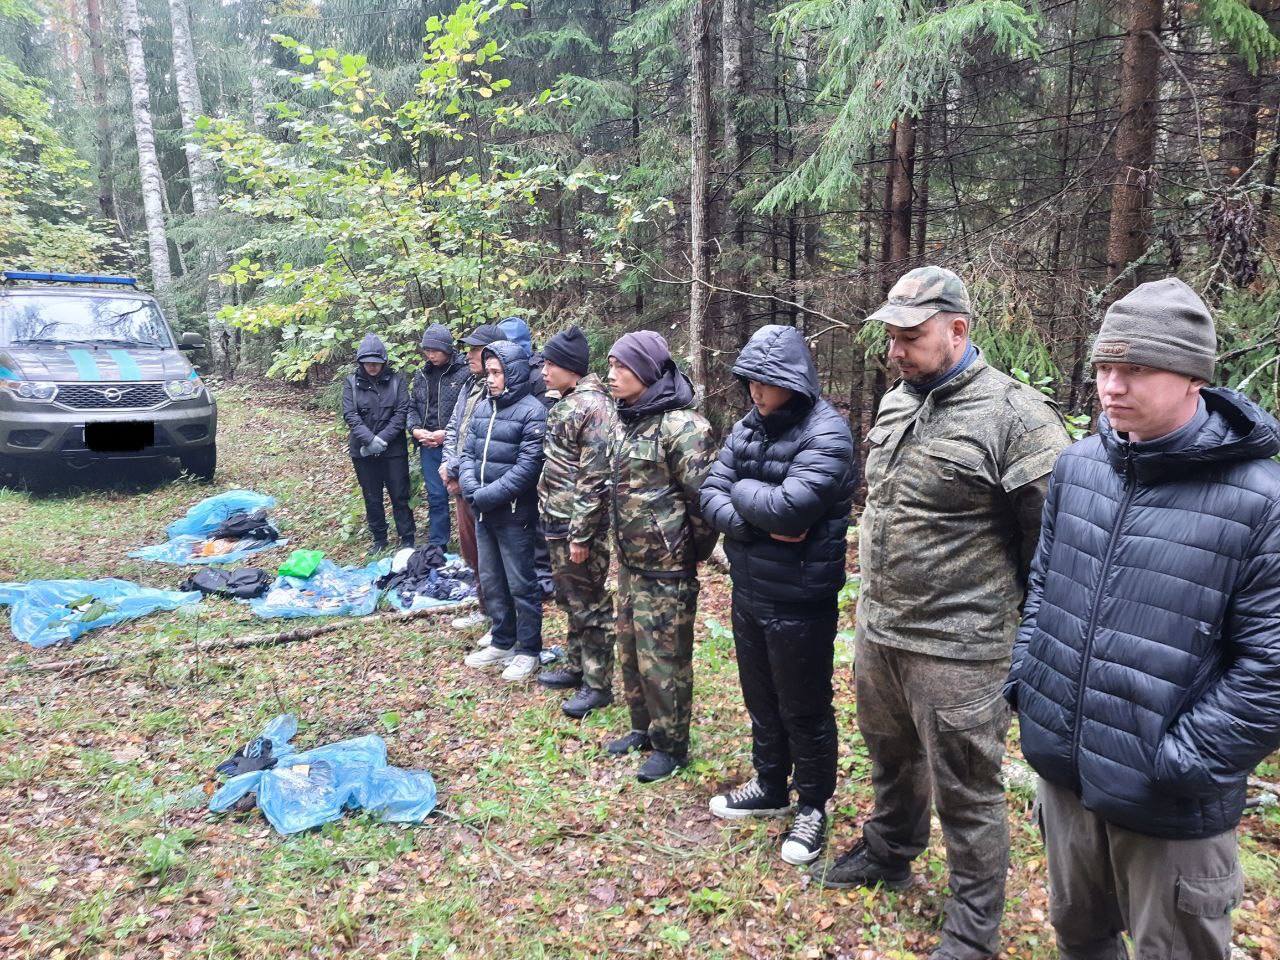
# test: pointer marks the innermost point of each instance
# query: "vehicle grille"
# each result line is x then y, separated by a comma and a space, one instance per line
111, 396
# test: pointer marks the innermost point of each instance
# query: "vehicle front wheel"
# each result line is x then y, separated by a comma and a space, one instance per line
201, 463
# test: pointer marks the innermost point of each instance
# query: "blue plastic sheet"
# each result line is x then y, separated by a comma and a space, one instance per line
331, 591
308, 788
189, 534
44, 612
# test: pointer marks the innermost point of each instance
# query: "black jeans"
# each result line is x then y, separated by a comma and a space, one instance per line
391, 473
512, 596
785, 665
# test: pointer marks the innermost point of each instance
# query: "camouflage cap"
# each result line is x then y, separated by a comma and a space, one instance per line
921, 293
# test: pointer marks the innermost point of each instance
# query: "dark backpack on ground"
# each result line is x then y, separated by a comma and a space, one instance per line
246, 526
243, 584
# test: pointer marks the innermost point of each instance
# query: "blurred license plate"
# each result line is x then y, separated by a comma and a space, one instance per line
128, 437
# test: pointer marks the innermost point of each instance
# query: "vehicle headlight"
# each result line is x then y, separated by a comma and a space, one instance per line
38, 390
183, 389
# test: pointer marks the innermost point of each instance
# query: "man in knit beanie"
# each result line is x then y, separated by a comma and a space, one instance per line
572, 506
1146, 673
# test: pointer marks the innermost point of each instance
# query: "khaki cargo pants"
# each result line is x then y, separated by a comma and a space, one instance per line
1174, 897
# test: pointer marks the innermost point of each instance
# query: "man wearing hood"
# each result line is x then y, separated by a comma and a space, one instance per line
498, 473
957, 469
781, 492
1146, 674
572, 496
431, 401
659, 458
375, 405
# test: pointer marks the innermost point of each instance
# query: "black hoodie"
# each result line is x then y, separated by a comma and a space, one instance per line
375, 406
793, 472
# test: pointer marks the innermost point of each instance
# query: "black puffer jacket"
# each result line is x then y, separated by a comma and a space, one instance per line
502, 457
435, 391
375, 406
790, 473
1146, 674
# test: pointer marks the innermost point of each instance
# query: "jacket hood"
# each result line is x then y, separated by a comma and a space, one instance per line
591, 384
778, 355
1236, 429
515, 365
673, 390
517, 331
372, 349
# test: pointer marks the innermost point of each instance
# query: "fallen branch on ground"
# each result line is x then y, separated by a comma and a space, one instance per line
93, 665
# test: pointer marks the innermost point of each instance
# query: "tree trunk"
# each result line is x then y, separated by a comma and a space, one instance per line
102, 116
902, 170
732, 265
148, 162
1135, 138
699, 220
922, 192
204, 179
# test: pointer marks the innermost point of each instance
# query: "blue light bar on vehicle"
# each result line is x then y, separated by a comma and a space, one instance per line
11, 275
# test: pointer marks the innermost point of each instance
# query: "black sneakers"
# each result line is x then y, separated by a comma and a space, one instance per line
807, 837
659, 766
635, 740
562, 679
585, 700
750, 800
858, 868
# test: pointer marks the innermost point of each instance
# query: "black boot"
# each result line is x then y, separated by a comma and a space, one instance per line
562, 679
660, 765
858, 868
585, 700
635, 740
377, 550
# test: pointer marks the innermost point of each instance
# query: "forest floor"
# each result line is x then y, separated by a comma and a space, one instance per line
543, 846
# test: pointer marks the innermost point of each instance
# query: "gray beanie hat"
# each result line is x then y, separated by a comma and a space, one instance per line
1161, 324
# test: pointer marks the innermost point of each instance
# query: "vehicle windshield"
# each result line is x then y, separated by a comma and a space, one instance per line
99, 320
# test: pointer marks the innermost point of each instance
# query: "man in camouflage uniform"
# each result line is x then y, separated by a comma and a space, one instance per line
958, 466
572, 505
660, 455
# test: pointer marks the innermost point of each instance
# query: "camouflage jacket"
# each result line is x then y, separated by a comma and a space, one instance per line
658, 464
955, 484
575, 472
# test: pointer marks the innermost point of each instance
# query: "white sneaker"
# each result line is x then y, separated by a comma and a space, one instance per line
485, 641
807, 837
489, 658
473, 619
522, 667
749, 800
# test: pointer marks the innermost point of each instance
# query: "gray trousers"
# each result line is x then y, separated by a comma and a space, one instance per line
1174, 897
934, 728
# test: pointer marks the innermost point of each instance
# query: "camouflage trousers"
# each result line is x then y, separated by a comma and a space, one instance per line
583, 595
655, 644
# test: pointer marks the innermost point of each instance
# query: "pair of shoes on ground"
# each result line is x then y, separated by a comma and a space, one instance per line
808, 834
515, 666
657, 766
585, 698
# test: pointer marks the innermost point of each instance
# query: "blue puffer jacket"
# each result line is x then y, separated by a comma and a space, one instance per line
1146, 674
502, 457
793, 472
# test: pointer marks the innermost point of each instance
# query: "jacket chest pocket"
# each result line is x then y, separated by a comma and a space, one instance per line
952, 473
877, 455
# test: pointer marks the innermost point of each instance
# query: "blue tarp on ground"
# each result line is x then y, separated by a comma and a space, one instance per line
43, 612
332, 591
306, 789
188, 534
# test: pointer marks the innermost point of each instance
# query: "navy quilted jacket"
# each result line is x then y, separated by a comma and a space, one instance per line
1146, 673
502, 456
790, 473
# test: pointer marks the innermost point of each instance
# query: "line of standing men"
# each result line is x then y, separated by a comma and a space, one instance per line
1123, 597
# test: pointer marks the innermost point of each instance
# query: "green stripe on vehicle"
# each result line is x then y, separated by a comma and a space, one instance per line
129, 369
86, 366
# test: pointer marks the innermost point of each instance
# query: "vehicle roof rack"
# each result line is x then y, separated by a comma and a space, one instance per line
12, 276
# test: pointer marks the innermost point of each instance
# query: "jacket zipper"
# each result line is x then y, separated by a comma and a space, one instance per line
1130, 487
484, 460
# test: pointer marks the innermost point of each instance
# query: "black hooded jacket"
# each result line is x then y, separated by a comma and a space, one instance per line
502, 457
793, 472
435, 392
375, 406
1146, 673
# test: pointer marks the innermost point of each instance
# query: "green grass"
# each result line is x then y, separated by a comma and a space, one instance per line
543, 846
